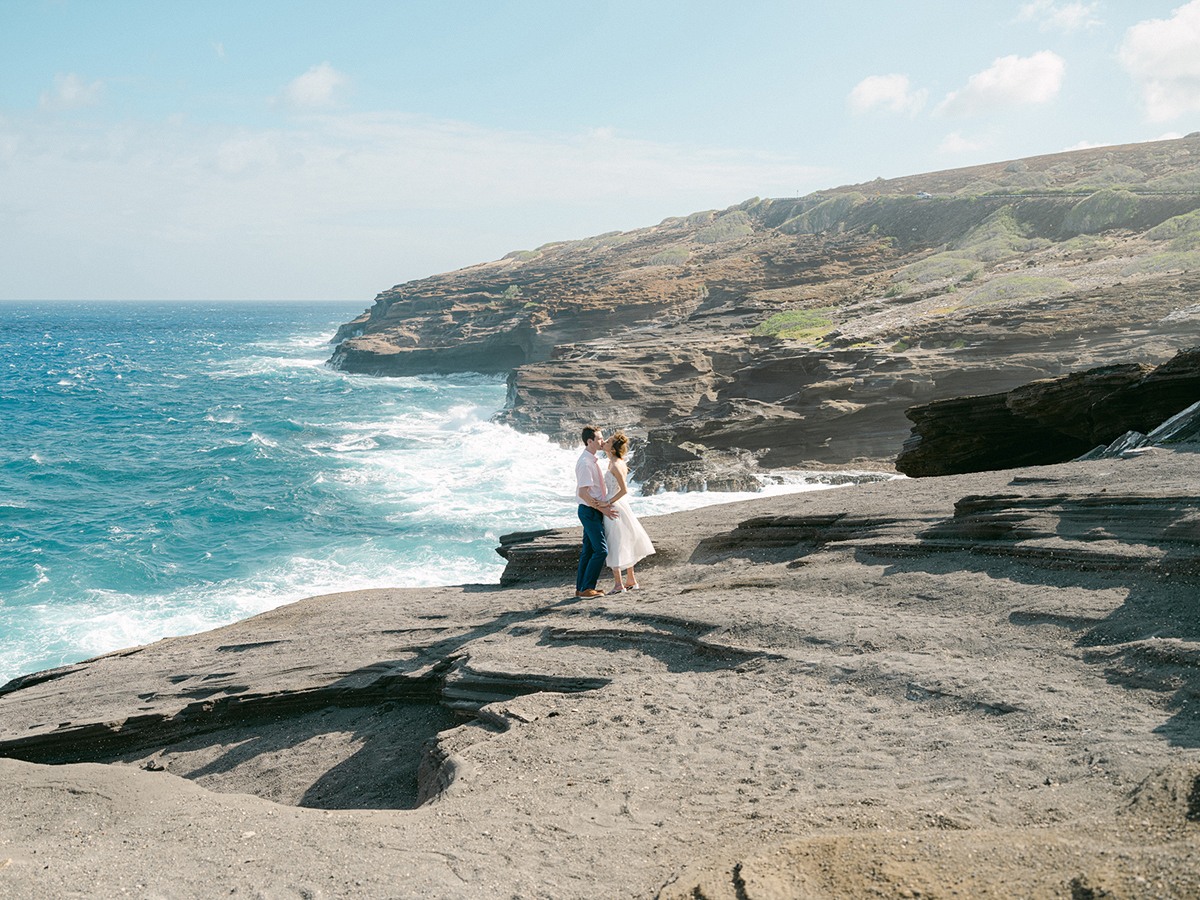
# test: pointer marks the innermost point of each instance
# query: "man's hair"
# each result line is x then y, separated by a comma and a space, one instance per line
589, 432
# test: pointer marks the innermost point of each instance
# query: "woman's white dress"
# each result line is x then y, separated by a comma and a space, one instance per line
626, 538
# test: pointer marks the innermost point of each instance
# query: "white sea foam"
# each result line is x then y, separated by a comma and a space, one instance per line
257, 477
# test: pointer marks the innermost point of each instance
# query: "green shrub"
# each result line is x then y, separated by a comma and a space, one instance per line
824, 216
997, 237
1170, 261
1100, 211
728, 227
1112, 176
522, 255
1016, 287
936, 268
672, 256
1084, 242
797, 324
512, 292
1182, 231
615, 239
1180, 181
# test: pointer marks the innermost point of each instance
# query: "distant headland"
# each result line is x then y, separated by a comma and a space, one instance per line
795, 333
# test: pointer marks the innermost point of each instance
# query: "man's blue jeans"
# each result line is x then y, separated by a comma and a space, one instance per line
595, 548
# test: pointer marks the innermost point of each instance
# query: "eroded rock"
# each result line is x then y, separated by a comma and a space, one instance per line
1052, 420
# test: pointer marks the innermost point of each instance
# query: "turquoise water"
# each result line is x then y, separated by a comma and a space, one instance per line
168, 468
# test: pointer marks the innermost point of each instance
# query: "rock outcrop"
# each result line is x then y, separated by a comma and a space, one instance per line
981, 684
795, 333
1048, 421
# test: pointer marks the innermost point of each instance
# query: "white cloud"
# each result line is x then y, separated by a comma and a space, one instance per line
892, 92
1049, 15
1163, 57
1011, 81
220, 48
315, 89
239, 155
70, 92
956, 143
337, 206
1084, 145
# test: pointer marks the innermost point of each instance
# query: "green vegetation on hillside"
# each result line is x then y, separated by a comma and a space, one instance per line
1188, 261
732, 225
1182, 254
1182, 231
936, 268
797, 324
616, 238
1100, 211
824, 216
997, 237
672, 256
1016, 287
1112, 176
1179, 181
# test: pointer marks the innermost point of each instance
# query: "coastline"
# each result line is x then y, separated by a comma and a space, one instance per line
876, 678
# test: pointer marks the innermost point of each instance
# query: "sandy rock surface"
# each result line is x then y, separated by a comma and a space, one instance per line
970, 686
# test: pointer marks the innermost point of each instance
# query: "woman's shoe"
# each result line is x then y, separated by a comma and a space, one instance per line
632, 587
619, 590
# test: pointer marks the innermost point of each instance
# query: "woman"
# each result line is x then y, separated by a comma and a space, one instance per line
626, 538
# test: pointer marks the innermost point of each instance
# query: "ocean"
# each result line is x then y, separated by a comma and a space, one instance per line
167, 468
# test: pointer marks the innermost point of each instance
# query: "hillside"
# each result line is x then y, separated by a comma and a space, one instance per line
795, 332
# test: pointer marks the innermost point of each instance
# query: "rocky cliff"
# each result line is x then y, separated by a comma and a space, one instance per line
795, 333
1051, 420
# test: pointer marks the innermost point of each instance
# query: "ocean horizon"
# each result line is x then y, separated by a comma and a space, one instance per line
172, 467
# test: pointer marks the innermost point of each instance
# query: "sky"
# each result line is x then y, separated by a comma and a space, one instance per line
271, 150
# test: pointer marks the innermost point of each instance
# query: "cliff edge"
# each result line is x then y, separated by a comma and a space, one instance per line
795, 333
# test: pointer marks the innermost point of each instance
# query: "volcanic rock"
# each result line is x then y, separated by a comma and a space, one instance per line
796, 332
1050, 420
982, 684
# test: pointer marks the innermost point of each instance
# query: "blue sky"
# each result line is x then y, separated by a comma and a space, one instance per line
319, 150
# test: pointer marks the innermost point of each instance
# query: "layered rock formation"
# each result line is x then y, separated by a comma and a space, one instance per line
1048, 421
984, 685
795, 333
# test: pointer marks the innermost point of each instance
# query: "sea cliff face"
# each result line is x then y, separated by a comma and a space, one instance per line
795, 333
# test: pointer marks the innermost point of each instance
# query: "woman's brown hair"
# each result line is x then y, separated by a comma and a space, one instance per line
619, 443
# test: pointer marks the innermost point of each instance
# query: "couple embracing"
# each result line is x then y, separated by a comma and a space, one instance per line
612, 534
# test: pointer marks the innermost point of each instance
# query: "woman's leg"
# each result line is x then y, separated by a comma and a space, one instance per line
630, 578
617, 576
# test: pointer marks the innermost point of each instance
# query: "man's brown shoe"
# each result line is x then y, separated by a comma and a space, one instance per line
589, 593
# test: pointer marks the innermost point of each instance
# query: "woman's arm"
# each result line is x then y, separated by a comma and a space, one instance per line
619, 474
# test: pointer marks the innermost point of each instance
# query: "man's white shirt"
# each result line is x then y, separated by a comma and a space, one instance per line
588, 475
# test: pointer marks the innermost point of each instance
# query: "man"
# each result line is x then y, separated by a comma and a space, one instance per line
593, 507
